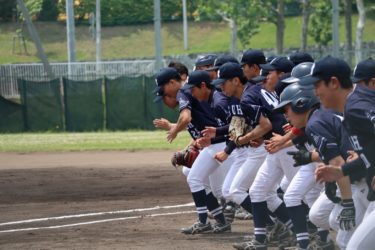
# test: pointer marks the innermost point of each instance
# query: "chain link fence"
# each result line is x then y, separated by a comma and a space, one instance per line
131, 68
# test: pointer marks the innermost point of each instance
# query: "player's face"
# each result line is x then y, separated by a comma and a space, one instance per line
197, 93
325, 94
171, 88
213, 74
228, 87
296, 119
249, 71
170, 102
272, 78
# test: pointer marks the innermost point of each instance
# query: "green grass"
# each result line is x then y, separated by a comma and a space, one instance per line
137, 41
63, 142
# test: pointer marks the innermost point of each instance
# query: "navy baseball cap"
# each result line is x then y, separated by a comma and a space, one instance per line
324, 69
253, 57
163, 77
364, 70
261, 77
220, 60
279, 63
196, 78
205, 60
228, 71
270, 58
300, 57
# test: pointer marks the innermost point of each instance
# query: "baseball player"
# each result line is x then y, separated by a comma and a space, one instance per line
300, 57
263, 190
323, 130
331, 79
195, 116
206, 62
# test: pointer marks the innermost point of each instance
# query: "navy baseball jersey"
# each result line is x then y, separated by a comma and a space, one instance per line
267, 101
219, 103
201, 113
326, 132
250, 108
359, 120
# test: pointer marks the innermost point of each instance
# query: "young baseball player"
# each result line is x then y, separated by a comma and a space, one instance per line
195, 116
331, 79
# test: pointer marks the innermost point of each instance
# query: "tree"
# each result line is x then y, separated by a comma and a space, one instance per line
243, 17
305, 23
348, 28
321, 23
273, 11
359, 32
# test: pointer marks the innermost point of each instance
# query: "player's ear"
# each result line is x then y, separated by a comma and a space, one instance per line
335, 83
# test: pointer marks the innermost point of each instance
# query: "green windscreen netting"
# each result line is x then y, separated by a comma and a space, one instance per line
83, 105
125, 103
10, 116
156, 110
41, 105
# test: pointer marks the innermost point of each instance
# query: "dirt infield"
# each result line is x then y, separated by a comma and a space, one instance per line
110, 186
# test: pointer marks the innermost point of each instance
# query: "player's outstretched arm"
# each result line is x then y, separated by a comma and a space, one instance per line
163, 123
182, 122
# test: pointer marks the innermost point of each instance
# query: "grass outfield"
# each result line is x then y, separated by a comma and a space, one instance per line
63, 142
137, 41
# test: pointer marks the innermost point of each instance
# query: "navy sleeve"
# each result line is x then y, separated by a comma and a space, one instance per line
184, 101
323, 133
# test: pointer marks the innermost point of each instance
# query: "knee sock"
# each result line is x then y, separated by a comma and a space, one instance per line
215, 208
270, 221
246, 204
298, 217
201, 205
282, 214
323, 234
260, 218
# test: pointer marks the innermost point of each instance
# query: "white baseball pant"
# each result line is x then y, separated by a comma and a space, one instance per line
269, 177
246, 174
207, 172
239, 156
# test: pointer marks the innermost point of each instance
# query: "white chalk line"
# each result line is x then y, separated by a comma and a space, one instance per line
94, 222
95, 214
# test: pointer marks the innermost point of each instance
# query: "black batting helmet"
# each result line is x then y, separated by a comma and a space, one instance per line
300, 99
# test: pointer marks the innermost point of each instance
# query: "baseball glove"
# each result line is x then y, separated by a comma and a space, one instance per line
185, 157
237, 128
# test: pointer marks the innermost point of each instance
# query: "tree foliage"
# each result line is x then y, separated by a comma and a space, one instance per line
320, 28
243, 12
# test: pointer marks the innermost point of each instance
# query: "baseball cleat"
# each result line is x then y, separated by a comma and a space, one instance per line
242, 214
221, 228
197, 228
250, 245
229, 212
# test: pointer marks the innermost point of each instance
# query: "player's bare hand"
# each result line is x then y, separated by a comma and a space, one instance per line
171, 135
328, 173
162, 123
373, 183
203, 142
287, 127
352, 156
256, 143
221, 156
274, 144
209, 132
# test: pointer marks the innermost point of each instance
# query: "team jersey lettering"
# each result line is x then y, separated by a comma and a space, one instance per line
355, 143
270, 98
